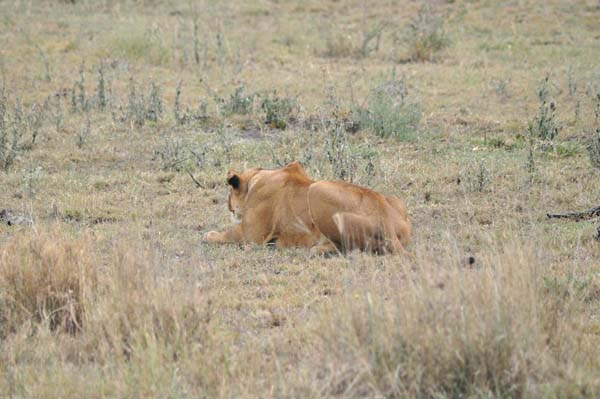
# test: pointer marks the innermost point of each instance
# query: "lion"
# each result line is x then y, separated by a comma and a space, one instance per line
286, 208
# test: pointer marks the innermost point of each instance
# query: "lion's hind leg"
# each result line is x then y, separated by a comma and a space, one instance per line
362, 232
324, 247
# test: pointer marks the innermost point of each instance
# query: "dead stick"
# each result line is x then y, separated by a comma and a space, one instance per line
589, 214
198, 184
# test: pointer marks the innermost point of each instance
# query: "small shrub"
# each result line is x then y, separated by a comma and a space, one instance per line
389, 113
371, 40
172, 155
135, 106
424, 36
530, 164
339, 155
101, 89
177, 111
34, 120
545, 125
57, 115
345, 159
566, 150
141, 108
477, 178
79, 101
13, 128
594, 144
277, 110
239, 103
84, 133
154, 108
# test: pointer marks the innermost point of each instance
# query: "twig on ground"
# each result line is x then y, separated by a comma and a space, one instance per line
589, 214
198, 184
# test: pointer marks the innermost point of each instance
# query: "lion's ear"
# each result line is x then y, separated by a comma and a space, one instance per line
234, 181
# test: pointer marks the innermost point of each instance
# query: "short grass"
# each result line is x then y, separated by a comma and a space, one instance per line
106, 290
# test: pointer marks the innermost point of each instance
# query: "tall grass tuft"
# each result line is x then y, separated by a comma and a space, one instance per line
45, 277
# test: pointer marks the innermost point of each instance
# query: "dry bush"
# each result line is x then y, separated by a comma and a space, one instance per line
44, 277
446, 330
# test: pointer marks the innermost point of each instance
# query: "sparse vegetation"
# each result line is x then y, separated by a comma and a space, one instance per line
186, 115
172, 155
594, 144
424, 36
477, 177
348, 161
107, 108
143, 108
390, 113
545, 125
19, 129
241, 103
101, 90
277, 110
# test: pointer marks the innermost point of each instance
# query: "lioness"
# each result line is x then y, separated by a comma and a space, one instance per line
284, 206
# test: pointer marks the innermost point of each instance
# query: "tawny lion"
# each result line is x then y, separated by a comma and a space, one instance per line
285, 207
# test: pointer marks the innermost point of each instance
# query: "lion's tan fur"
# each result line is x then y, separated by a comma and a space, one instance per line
286, 207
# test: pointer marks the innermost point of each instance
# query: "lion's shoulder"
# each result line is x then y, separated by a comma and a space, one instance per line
286, 178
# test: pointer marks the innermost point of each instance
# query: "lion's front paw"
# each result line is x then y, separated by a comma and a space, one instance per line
211, 236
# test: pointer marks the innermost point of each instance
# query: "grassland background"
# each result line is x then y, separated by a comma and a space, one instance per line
109, 292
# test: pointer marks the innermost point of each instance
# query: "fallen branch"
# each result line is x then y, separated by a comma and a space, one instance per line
589, 214
198, 184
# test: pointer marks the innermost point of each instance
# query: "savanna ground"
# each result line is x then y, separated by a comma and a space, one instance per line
107, 107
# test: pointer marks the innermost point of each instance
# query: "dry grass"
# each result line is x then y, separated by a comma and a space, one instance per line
44, 279
448, 330
106, 291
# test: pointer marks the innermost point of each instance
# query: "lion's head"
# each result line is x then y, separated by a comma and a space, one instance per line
236, 197
240, 186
